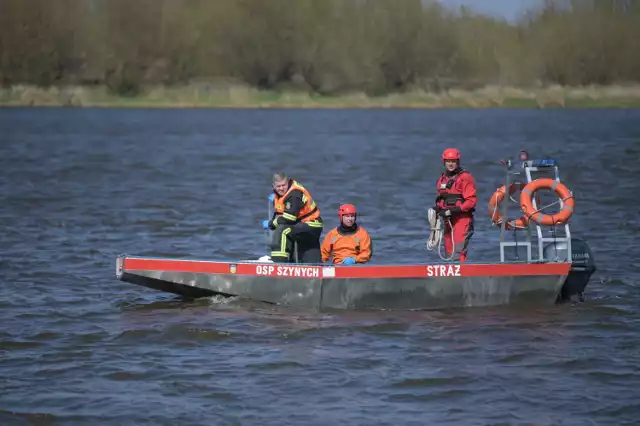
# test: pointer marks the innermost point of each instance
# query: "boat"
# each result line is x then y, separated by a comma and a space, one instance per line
559, 272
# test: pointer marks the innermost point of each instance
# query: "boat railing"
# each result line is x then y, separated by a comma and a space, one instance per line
524, 172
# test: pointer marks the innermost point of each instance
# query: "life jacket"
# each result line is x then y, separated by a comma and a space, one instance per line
448, 196
342, 245
309, 211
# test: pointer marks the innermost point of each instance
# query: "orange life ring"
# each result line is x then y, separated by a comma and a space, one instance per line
494, 208
545, 219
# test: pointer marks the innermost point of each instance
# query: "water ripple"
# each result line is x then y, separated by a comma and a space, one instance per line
78, 347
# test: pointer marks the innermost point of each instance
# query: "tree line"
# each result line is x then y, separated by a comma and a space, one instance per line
324, 47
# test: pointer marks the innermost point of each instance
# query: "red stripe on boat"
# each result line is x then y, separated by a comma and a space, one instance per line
331, 271
136, 264
451, 270
516, 269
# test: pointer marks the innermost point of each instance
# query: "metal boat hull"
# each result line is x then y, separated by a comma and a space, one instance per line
399, 287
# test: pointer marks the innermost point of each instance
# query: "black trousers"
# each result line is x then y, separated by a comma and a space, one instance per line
305, 234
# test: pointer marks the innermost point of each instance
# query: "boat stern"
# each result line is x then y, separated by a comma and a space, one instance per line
583, 266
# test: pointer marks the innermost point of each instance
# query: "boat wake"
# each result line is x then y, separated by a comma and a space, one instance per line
219, 299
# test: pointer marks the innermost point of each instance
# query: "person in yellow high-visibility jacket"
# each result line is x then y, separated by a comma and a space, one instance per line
296, 219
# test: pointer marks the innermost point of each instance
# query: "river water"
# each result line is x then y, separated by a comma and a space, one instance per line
77, 347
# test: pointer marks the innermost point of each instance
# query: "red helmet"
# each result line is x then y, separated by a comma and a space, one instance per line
451, 154
346, 209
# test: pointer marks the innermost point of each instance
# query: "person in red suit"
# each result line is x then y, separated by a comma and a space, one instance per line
455, 203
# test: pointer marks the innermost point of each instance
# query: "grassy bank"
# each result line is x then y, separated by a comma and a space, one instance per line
236, 96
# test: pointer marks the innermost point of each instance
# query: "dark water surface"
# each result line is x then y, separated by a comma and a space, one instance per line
78, 347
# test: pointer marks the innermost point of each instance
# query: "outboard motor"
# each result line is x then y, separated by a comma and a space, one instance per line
582, 267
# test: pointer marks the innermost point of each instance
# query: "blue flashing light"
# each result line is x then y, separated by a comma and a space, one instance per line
545, 162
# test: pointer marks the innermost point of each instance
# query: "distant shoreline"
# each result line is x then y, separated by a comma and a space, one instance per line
203, 95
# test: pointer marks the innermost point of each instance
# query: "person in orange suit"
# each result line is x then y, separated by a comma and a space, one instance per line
455, 203
348, 243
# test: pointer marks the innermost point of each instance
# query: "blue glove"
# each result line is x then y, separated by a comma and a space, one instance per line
265, 224
272, 196
349, 261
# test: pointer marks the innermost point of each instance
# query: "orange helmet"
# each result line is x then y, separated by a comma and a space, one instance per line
346, 209
451, 154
